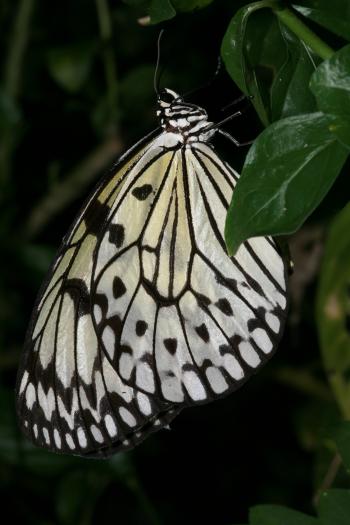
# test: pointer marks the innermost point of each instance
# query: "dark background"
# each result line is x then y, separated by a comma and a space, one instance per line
71, 100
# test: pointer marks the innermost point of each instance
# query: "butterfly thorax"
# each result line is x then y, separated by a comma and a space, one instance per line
188, 121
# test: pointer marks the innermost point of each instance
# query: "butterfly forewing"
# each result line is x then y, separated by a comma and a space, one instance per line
70, 398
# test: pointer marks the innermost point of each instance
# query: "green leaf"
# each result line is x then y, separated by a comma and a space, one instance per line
334, 15
269, 63
235, 57
265, 52
334, 507
340, 434
277, 515
190, 5
330, 84
70, 66
290, 93
161, 10
333, 308
287, 172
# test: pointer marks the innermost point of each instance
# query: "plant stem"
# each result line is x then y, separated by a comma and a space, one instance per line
12, 76
17, 47
104, 19
329, 477
289, 19
302, 381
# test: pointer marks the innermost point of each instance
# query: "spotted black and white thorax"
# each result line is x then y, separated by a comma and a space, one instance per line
143, 313
182, 121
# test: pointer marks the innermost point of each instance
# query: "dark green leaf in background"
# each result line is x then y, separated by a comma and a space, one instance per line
287, 172
277, 515
332, 14
70, 65
334, 507
331, 86
333, 308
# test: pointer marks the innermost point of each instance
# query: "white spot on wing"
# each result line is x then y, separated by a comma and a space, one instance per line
194, 386
23, 382
46, 435
273, 321
30, 396
110, 425
262, 340
144, 404
216, 380
233, 367
57, 438
97, 313
126, 364
108, 339
249, 355
96, 434
81, 437
70, 441
127, 416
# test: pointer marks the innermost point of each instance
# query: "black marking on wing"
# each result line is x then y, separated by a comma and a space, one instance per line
142, 192
116, 234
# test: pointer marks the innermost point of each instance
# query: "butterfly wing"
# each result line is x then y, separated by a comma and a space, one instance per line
184, 322
69, 397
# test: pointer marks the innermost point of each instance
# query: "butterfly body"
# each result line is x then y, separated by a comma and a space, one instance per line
144, 313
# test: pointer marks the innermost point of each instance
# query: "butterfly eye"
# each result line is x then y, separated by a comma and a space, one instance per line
166, 96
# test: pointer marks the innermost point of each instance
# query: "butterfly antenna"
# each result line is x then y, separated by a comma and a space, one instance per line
237, 101
156, 78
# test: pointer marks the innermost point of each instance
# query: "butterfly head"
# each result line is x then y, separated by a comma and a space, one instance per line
180, 117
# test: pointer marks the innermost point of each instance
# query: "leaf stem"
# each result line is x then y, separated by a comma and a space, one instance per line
289, 19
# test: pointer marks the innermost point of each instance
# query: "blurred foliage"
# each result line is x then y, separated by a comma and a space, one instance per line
76, 90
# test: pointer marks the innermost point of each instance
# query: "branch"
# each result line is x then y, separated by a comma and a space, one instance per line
63, 193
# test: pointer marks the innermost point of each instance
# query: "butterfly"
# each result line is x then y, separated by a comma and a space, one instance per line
143, 313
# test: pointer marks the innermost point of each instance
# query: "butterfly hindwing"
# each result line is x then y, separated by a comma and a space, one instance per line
189, 322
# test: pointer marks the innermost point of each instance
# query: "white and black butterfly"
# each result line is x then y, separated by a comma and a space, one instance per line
143, 312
